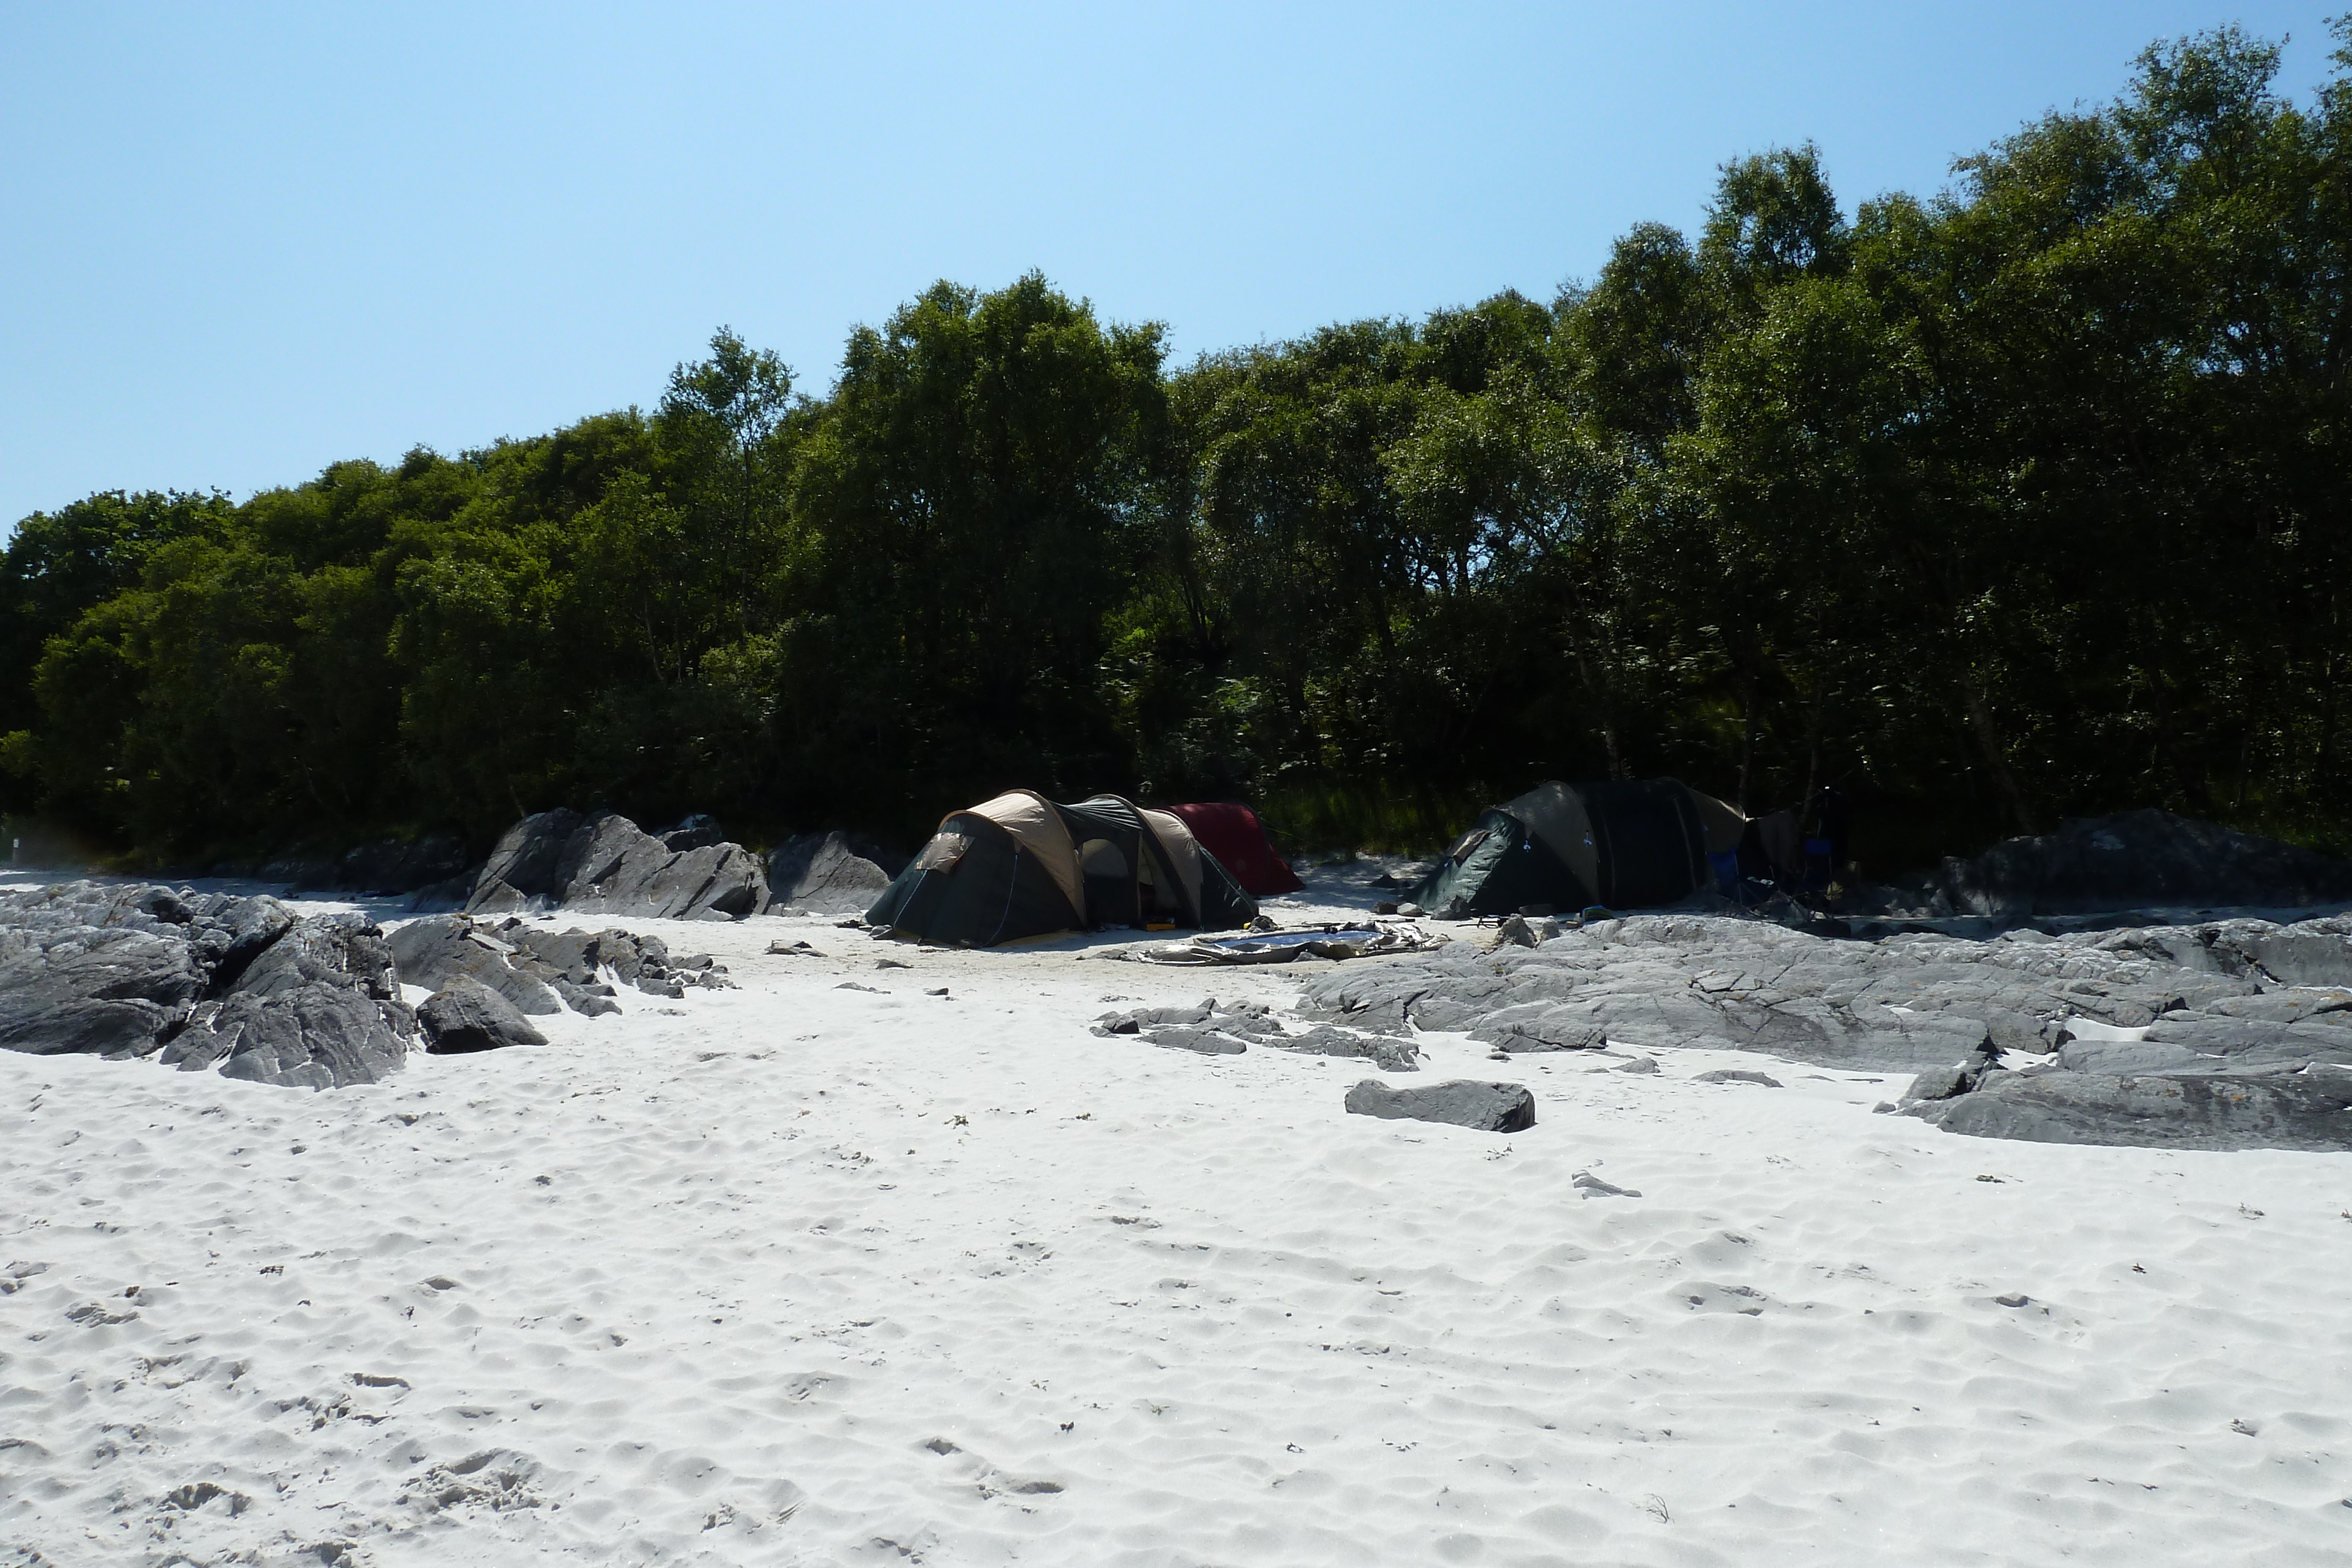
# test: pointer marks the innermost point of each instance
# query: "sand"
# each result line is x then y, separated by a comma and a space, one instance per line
794, 1274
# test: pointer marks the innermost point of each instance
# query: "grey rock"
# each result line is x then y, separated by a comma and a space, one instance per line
315, 1036
700, 830
1912, 1001
1134, 1021
1587, 1185
1642, 1065
2272, 1111
1462, 1101
604, 862
593, 1002
1942, 1083
2331, 1005
2126, 1056
2017, 1031
439, 948
2250, 1038
198, 979
334, 949
521, 872
824, 874
1516, 932
2303, 957
97, 992
1736, 1075
1464, 1000
1540, 1026
1389, 1054
1207, 1042
466, 1014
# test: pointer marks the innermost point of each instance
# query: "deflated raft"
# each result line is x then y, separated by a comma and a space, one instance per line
1287, 946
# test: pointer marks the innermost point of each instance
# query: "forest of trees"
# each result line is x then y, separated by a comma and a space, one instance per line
2025, 501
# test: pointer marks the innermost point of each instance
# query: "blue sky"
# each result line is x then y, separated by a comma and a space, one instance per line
245, 241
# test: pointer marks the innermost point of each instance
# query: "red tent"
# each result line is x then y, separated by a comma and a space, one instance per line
1235, 835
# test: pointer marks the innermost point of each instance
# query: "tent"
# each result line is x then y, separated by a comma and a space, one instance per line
1021, 865
1626, 844
1235, 835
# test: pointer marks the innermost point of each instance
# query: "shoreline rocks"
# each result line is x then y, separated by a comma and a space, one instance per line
601, 862
541, 972
200, 980
2226, 1034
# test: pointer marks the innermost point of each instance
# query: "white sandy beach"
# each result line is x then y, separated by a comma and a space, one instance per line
794, 1274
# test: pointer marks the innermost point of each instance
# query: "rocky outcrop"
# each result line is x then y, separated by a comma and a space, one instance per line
603, 863
828, 874
441, 948
542, 972
199, 980
2282, 1105
1228, 1029
2141, 860
2227, 1034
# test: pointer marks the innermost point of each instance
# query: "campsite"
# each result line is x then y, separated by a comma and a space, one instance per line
855, 1246
1519, 785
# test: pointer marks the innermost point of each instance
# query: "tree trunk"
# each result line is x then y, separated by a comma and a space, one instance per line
1813, 746
1748, 749
1988, 734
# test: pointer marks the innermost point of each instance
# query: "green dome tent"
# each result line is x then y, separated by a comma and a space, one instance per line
1625, 845
1021, 865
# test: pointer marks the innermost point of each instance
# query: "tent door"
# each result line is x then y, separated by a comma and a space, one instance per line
1111, 888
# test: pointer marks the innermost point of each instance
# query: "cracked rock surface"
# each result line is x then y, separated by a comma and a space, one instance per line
197, 980
1215, 1030
541, 972
2229, 1034
601, 862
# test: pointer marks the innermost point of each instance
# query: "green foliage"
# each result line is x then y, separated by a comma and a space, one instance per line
2024, 500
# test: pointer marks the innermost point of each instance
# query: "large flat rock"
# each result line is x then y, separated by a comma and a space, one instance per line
2225, 1034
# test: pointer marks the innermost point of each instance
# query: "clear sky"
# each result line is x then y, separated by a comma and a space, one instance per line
244, 241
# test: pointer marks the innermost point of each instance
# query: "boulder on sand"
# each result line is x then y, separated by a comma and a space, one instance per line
828, 874
467, 1016
440, 948
601, 862
1463, 1101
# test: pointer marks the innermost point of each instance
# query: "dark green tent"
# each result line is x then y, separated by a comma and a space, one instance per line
1021, 865
1625, 845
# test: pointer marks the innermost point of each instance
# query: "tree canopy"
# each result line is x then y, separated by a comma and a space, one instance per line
2022, 500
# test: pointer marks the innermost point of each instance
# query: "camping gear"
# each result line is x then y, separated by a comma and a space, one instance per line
1286, 946
1235, 835
1021, 865
1628, 845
